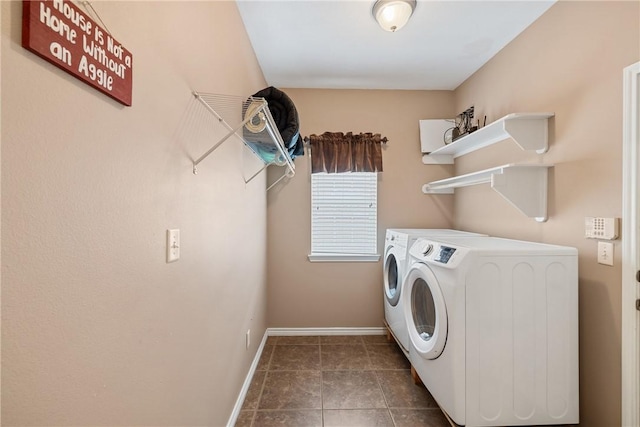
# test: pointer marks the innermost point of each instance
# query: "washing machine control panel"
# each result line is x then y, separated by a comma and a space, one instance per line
445, 254
437, 253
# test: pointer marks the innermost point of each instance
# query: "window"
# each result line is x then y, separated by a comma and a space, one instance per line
344, 216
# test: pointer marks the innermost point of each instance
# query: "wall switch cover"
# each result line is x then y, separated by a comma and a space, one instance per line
605, 253
173, 245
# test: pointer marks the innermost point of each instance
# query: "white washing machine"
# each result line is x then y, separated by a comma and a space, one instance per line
493, 328
397, 244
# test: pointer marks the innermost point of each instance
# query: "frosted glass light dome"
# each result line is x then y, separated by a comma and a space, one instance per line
393, 14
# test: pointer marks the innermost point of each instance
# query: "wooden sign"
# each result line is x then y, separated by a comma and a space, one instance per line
58, 31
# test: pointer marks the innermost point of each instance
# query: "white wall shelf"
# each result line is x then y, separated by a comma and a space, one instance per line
250, 120
524, 186
530, 131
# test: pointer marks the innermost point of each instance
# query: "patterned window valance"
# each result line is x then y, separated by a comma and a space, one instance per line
337, 152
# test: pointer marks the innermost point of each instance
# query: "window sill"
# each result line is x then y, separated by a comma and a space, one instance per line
343, 258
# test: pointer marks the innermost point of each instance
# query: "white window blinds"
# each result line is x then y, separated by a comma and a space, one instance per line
344, 213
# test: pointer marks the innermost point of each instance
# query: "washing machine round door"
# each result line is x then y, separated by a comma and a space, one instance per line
393, 274
426, 311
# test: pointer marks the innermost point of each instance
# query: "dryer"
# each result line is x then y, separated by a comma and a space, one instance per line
493, 329
397, 244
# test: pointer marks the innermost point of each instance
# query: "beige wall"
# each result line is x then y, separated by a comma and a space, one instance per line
96, 328
568, 62
305, 294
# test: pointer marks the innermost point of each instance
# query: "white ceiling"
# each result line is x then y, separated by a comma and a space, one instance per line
337, 44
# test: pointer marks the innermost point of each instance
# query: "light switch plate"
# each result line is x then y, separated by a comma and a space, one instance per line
173, 245
605, 253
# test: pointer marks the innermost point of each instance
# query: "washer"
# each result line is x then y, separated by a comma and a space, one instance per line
397, 244
493, 328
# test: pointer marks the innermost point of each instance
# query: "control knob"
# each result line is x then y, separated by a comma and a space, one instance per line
427, 249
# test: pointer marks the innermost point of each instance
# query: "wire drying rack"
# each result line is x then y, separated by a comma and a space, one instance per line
250, 120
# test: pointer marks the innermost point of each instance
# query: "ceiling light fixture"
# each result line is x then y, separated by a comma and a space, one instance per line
393, 14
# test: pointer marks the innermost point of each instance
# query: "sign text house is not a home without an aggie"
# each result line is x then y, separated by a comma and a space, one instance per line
58, 31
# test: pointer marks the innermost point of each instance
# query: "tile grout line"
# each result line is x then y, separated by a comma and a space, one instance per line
384, 396
264, 383
270, 370
375, 373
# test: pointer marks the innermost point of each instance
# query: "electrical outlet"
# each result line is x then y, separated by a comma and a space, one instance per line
605, 253
248, 337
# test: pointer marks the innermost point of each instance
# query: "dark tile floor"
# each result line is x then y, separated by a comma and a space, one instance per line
336, 381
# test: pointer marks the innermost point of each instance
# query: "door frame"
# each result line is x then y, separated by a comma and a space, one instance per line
630, 245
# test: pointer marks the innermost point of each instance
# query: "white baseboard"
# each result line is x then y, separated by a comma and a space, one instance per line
309, 332
247, 382
290, 332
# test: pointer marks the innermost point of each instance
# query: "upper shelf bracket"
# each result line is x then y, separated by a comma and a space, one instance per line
530, 131
524, 186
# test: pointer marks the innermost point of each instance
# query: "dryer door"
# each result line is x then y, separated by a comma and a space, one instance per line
426, 311
393, 262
